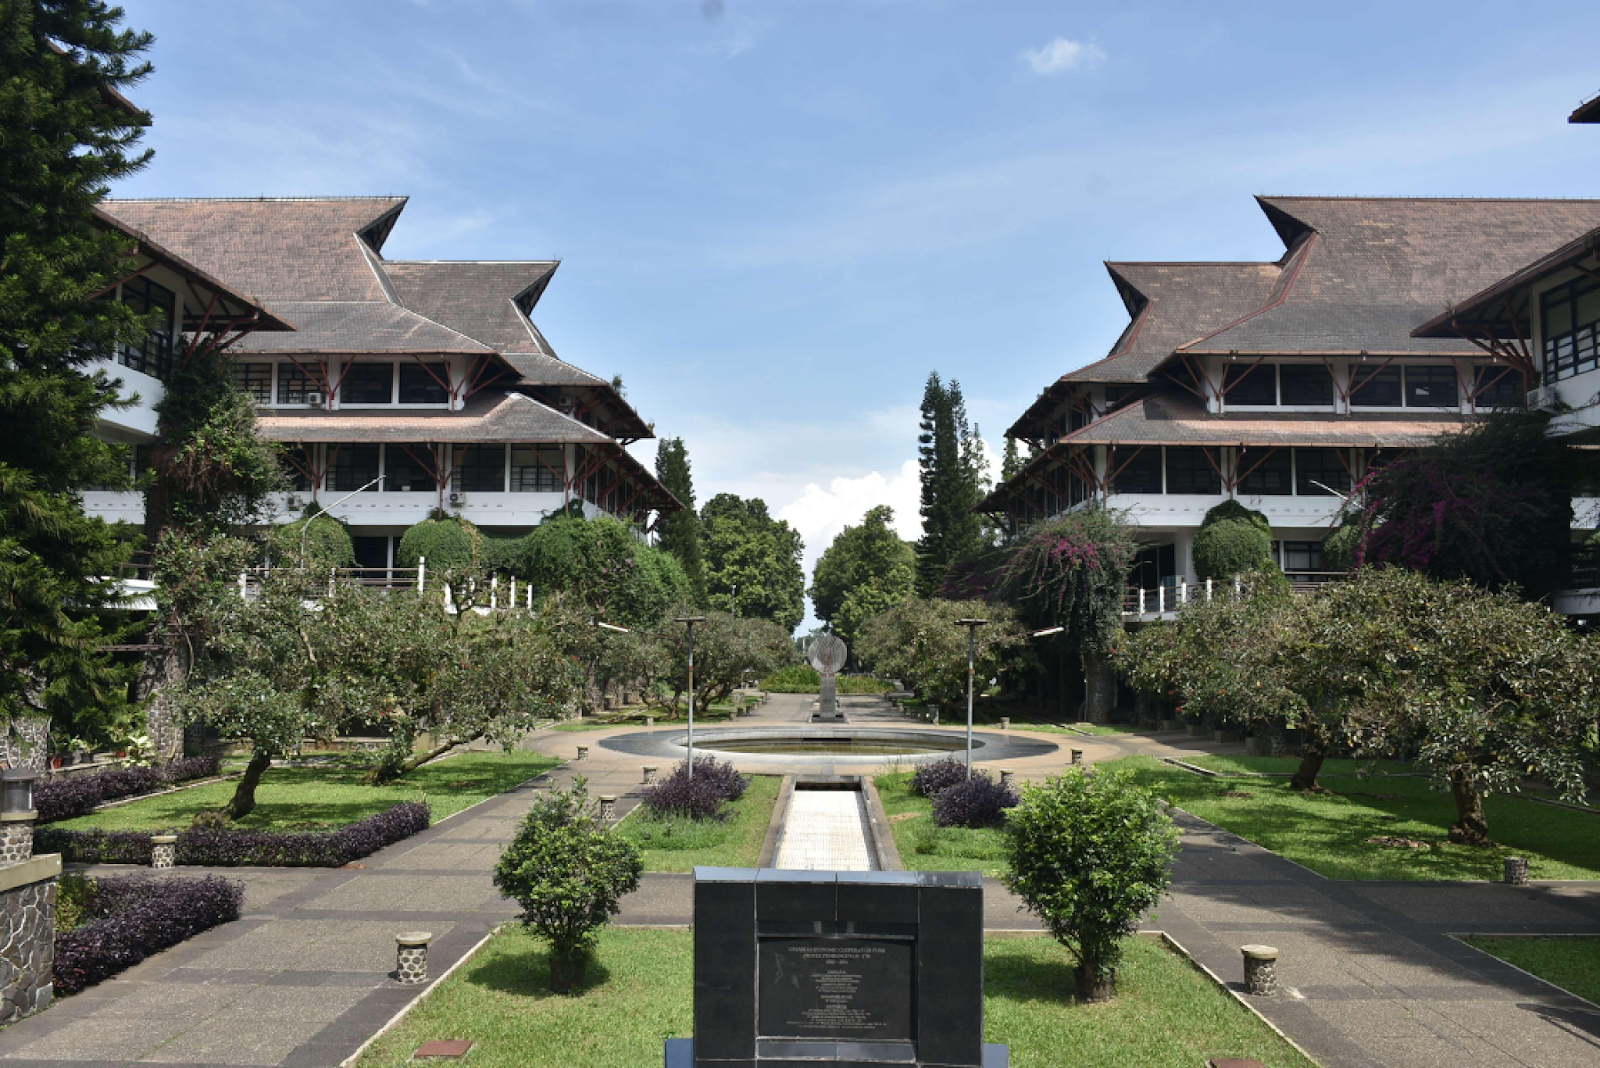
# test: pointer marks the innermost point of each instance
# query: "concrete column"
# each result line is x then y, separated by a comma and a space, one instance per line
1005, 723
583, 752
1077, 756
411, 956
1517, 871
1008, 778
650, 774
1260, 970
163, 850
608, 808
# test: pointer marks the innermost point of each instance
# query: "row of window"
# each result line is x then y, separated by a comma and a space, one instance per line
1157, 565
153, 355
1280, 473
1394, 386
1571, 320
367, 382
418, 468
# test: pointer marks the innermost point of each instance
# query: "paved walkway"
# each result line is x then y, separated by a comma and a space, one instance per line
305, 977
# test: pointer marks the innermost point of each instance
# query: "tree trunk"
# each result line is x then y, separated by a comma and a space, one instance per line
382, 774
1471, 826
567, 968
1099, 687
244, 795
1316, 751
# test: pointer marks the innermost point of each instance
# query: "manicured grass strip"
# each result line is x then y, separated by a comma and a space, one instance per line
641, 992
330, 795
1329, 833
926, 847
679, 844
1573, 964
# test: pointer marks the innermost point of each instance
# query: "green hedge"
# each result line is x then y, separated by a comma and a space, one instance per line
443, 543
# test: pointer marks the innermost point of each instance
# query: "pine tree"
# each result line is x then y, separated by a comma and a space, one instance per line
950, 455
1012, 463
65, 134
680, 532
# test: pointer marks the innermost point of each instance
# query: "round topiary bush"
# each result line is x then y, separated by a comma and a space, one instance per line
443, 543
1231, 547
327, 544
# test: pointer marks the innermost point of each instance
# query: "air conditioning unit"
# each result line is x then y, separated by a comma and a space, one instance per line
458, 498
314, 398
567, 402
1544, 398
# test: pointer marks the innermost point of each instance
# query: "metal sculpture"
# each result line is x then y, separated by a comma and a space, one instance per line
828, 654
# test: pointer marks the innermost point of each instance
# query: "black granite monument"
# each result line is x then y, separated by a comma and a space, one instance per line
794, 969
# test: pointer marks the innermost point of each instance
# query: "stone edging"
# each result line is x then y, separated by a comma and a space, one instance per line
887, 854
769, 844
405, 1010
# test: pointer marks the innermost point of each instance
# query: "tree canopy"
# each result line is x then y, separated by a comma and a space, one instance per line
680, 531
919, 642
749, 549
867, 569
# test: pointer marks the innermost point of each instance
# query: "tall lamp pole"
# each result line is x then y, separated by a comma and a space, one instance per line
690, 621
972, 626
307, 528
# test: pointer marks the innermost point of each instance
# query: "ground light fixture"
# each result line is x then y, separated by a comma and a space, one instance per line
16, 798
972, 626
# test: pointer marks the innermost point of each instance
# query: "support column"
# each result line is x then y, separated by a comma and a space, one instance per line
27, 903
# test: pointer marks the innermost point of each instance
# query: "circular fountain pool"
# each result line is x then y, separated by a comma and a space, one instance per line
809, 747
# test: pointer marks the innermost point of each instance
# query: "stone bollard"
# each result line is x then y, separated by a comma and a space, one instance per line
1077, 756
583, 752
163, 850
650, 774
1517, 871
1260, 970
411, 957
933, 714
1008, 779
1005, 723
649, 721
608, 808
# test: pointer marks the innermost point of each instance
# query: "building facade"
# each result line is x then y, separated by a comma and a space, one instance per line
1280, 384
403, 386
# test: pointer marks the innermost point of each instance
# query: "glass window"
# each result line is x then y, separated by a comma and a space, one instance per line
423, 384
1305, 383
409, 468
1379, 389
352, 466
1251, 385
299, 464
1192, 471
1115, 394
254, 380
479, 469
1272, 476
367, 383
1320, 473
537, 468
1570, 315
1495, 386
1432, 387
153, 355
295, 388
1302, 556
1136, 471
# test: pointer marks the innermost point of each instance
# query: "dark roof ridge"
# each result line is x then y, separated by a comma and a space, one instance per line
1471, 199
1191, 263
507, 262
252, 200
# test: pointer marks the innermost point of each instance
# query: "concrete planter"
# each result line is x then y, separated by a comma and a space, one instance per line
1170, 724
1225, 736
1195, 730
1255, 745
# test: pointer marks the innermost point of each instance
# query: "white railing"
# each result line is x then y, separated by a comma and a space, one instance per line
1168, 598
510, 595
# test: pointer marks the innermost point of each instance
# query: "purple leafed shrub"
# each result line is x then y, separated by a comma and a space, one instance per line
78, 795
138, 916
929, 779
127, 782
702, 797
200, 767
65, 798
233, 847
975, 802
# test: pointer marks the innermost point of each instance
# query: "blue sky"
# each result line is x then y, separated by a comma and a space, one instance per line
777, 217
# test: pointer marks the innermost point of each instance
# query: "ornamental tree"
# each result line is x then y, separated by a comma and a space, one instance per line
1090, 854
866, 569
918, 642
727, 652
569, 875
1233, 540
746, 547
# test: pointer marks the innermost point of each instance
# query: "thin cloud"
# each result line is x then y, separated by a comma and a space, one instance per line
1064, 54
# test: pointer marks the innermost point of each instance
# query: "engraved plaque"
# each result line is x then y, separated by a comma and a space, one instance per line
822, 988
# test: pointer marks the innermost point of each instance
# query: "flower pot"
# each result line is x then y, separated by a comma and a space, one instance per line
1091, 991
55, 762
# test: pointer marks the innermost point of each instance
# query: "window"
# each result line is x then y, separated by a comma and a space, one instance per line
537, 468
1320, 473
1136, 470
1498, 387
1379, 389
1571, 321
351, 467
423, 383
1192, 471
1305, 383
295, 388
153, 355
1271, 476
1116, 394
1432, 387
1251, 385
367, 383
1302, 556
480, 469
408, 468
254, 380
1153, 566
299, 464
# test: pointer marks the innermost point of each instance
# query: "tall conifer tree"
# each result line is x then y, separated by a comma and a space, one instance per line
681, 534
950, 456
66, 133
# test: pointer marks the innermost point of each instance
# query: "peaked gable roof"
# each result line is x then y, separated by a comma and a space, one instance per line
487, 300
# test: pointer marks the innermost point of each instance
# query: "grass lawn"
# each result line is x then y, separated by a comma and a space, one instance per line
680, 844
1573, 964
925, 847
1329, 833
330, 795
641, 992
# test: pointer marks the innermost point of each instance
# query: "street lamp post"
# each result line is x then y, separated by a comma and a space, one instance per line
690, 621
307, 528
972, 626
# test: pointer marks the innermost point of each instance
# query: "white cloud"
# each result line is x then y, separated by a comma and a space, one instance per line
1064, 54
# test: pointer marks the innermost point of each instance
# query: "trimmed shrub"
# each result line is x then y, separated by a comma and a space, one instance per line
200, 767
139, 916
65, 798
126, 782
80, 794
1232, 509
1231, 547
975, 802
444, 543
702, 797
327, 545
929, 779
234, 847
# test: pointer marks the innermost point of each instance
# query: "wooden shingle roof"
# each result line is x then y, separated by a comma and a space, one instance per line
488, 417
479, 298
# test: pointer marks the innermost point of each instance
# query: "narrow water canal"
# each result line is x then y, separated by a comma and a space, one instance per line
826, 830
